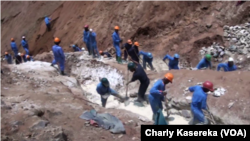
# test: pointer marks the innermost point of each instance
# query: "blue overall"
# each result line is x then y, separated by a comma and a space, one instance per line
146, 59
199, 102
156, 97
8, 58
24, 58
102, 90
226, 67
173, 63
58, 56
14, 48
25, 46
93, 44
204, 64
46, 20
76, 48
116, 42
86, 40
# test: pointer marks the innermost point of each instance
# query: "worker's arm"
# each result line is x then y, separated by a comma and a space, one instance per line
155, 90
191, 89
134, 78
210, 65
221, 65
166, 57
142, 53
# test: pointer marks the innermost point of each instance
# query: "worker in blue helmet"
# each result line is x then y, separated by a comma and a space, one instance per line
147, 58
173, 61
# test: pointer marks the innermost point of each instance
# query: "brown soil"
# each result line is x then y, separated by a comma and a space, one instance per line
165, 27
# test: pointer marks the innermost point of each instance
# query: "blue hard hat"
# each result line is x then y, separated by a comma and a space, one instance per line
150, 55
176, 56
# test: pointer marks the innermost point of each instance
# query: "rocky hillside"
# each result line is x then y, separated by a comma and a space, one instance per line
160, 27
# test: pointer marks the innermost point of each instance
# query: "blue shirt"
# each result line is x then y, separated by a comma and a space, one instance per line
145, 55
226, 67
102, 89
13, 45
173, 63
199, 102
86, 36
47, 19
58, 53
24, 44
116, 38
157, 89
203, 64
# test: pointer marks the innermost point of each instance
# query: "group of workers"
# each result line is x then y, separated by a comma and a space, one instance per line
19, 57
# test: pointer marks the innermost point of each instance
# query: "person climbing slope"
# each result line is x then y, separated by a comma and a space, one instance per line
139, 74
86, 39
47, 22
147, 58
59, 56
205, 62
105, 54
199, 102
25, 45
24, 57
116, 42
173, 61
227, 66
76, 48
14, 47
103, 88
8, 58
157, 93
29, 58
18, 58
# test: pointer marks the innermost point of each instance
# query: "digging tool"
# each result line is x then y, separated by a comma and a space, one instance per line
210, 115
126, 103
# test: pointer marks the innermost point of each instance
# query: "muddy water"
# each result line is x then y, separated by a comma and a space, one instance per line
117, 83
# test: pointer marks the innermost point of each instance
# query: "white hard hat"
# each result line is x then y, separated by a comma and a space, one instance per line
230, 59
90, 30
19, 54
83, 48
23, 37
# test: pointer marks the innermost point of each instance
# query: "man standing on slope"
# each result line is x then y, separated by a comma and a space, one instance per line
25, 45
59, 56
139, 74
227, 66
46, 20
158, 92
14, 47
199, 102
147, 58
173, 61
86, 38
205, 62
116, 42
105, 91
134, 52
93, 44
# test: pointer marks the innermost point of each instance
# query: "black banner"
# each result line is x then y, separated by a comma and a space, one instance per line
164, 132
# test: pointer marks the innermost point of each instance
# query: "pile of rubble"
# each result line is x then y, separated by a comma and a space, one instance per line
239, 37
216, 50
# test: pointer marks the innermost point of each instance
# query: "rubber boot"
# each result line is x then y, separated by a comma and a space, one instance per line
62, 73
119, 60
116, 58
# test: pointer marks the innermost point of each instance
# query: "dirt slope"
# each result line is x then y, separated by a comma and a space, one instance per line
160, 27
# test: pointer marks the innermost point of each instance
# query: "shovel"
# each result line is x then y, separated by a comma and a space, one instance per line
211, 116
126, 103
